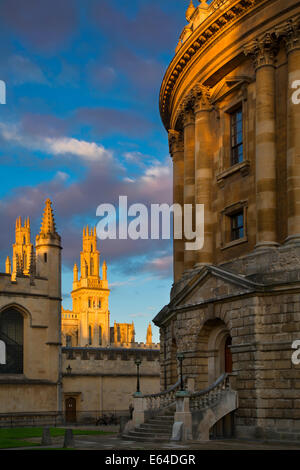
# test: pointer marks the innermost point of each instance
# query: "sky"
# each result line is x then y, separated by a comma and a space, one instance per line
81, 125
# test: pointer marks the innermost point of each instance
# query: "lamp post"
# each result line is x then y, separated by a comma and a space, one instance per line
137, 363
180, 357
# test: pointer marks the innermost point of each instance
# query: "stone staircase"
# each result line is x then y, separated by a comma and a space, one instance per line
158, 429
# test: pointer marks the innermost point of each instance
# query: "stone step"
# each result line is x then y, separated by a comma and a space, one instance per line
149, 438
154, 431
156, 426
161, 419
138, 432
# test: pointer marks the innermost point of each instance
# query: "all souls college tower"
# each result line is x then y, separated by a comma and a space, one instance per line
234, 134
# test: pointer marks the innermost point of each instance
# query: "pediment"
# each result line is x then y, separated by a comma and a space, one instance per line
213, 283
229, 84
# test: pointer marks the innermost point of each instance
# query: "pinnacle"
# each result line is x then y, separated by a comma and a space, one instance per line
48, 223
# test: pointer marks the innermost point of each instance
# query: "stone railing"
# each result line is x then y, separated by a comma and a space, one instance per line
212, 394
156, 402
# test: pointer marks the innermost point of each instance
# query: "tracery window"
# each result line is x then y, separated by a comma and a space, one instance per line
11, 333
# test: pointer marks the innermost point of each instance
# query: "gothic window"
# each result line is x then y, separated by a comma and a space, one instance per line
90, 303
100, 335
236, 125
11, 334
99, 303
90, 335
92, 267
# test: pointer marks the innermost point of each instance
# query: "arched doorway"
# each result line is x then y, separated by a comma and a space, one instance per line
70, 404
213, 352
228, 355
12, 335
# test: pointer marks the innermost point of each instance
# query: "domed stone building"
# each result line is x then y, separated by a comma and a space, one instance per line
228, 103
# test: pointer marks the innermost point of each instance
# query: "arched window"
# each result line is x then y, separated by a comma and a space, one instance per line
24, 261
92, 267
11, 333
100, 335
90, 335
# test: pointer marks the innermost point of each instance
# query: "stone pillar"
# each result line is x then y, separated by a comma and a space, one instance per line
177, 154
204, 172
182, 428
292, 40
189, 175
263, 53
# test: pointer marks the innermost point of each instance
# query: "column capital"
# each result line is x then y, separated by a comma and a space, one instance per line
188, 115
262, 50
290, 32
202, 98
175, 142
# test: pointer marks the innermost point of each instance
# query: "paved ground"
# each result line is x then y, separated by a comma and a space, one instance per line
113, 442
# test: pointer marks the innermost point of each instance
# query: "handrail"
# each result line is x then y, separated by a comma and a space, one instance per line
211, 395
211, 387
165, 392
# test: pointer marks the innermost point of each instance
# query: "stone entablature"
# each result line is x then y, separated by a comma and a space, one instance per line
221, 21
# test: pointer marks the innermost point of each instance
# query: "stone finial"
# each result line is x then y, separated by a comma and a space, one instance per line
190, 11
75, 272
149, 334
104, 271
8, 265
48, 222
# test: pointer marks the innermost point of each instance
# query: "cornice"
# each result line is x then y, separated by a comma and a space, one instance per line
224, 13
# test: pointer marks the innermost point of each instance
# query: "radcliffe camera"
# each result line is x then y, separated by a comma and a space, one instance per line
150, 229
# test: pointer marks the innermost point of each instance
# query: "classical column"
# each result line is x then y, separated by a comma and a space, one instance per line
189, 175
204, 172
176, 152
263, 53
292, 40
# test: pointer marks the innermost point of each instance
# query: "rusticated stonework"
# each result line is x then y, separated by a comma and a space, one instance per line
235, 304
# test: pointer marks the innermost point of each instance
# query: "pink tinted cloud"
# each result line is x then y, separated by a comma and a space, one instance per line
103, 183
105, 121
46, 25
150, 28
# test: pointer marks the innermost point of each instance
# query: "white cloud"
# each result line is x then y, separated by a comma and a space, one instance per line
55, 145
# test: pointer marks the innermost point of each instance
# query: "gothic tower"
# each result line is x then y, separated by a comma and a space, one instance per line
48, 252
22, 250
90, 294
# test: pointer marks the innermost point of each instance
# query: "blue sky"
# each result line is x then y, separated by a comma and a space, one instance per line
82, 126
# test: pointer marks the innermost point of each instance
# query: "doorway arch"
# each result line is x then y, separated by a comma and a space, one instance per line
214, 352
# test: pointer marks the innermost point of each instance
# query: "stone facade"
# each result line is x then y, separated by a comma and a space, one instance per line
40, 378
234, 139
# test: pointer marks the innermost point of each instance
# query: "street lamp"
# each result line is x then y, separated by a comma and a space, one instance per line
180, 357
138, 363
69, 369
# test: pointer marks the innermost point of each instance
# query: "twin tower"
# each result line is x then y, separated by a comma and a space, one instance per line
88, 323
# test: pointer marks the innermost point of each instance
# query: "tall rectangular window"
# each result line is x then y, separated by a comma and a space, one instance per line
236, 124
237, 225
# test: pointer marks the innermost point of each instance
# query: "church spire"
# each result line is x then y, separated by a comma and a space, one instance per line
48, 222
